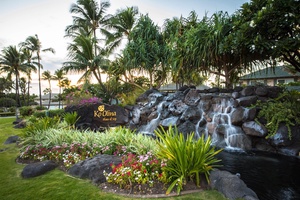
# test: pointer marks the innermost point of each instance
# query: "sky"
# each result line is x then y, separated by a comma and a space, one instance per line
49, 18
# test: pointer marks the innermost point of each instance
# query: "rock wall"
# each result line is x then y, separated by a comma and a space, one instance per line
228, 116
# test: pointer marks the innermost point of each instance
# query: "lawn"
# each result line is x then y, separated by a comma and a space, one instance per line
55, 184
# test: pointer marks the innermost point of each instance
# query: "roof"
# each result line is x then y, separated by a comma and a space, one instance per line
270, 73
172, 87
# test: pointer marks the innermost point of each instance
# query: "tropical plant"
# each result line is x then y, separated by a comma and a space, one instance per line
283, 110
34, 45
175, 33
186, 159
71, 118
271, 27
89, 16
60, 76
122, 23
142, 169
42, 124
26, 111
7, 102
46, 75
146, 51
12, 63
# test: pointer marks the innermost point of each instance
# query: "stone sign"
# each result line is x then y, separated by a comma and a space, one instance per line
96, 116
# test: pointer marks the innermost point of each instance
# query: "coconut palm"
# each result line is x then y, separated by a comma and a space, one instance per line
35, 46
46, 75
83, 60
12, 63
89, 15
60, 76
27, 55
121, 25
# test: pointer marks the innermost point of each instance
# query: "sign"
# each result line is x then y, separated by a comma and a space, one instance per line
106, 115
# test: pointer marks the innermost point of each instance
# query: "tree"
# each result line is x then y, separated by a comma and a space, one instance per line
183, 70
146, 50
46, 75
5, 84
121, 25
60, 76
83, 59
215, 47
33, 44
272, 28
90, 16
11, 62
27, 55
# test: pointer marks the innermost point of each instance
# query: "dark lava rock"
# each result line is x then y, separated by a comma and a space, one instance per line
92, 168
231, 185
12, 139
37, 169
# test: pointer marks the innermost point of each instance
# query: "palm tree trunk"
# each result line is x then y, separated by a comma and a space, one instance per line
39, 74
28, 94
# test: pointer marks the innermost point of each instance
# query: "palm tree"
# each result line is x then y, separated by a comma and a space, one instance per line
35, 46
121, 24
59, 75
46, 75
27, 55
83, 59
12, 63
88, 15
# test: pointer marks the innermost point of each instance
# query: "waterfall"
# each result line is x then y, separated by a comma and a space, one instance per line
149, 128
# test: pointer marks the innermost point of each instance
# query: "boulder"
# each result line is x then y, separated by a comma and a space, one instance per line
254, 129
12, 139
231, 185
37, 169
192, 98
92, 168
247, 101
248, 91
261, 91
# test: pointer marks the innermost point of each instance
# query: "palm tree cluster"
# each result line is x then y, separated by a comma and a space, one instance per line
185, 50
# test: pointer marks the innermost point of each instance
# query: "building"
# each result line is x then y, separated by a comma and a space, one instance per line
270, 76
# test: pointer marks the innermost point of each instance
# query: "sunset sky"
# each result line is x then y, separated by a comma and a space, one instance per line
49, 18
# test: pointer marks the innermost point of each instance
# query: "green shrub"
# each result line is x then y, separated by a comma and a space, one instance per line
7, 102
56, 112
39, 114
186, 159
41, 108
26, 111
71, 118
37, 125
285, 109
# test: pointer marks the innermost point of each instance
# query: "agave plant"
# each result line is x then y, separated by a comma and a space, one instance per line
186, 159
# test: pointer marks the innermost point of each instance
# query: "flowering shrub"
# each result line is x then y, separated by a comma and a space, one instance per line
81, 98
68, 154
143, 169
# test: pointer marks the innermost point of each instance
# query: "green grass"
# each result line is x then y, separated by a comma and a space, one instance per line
55, 184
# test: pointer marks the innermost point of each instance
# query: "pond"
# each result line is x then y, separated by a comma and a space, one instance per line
271, 176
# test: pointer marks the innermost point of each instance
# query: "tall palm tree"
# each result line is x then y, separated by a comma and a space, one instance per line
46, 75
27, 55
121, 25
59, 75
88, 14
83, 60
12, 63
35, 46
